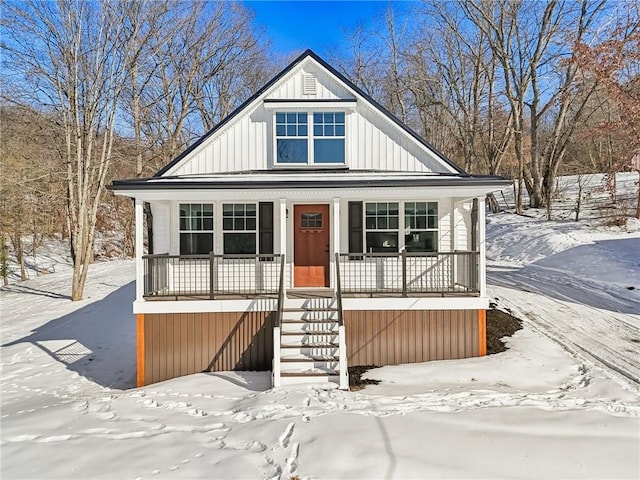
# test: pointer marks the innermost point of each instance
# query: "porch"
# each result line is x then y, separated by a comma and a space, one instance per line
402, 274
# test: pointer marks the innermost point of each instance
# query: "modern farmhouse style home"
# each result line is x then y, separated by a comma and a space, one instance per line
308, 231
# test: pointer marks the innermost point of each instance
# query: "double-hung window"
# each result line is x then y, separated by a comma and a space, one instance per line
239, 228
328, 137
196, 228
292, 137
421, 226
307, 139
381, 224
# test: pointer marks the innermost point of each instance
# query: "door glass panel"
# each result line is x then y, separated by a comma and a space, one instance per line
311, 220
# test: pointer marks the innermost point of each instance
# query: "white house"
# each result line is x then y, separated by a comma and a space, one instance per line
308, 231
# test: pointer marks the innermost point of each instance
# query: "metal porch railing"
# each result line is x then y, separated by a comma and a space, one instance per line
208, 276
406, 273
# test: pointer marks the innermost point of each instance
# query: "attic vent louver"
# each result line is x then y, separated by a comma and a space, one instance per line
308, 84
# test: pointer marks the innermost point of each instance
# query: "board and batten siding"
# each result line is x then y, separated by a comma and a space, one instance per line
392, 337
373, 141
171, 345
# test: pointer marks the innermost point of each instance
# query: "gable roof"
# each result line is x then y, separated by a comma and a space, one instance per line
341, 78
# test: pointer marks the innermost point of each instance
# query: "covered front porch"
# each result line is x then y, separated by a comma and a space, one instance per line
221, 246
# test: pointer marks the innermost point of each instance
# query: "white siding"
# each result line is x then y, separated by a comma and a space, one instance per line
373, 142
161, 212
328, 88
463, 225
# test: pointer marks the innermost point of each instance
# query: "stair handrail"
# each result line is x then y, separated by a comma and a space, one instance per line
339, 291
280, 293
275, 369
344, 372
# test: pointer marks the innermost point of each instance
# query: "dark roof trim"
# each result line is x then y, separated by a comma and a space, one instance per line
291, 66
458, 181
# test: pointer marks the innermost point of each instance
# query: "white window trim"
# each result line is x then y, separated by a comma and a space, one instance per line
180, 231
255, 232
401, 223
329, 108
408, 230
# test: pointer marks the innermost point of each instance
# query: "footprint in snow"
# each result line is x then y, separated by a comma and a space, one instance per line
286, 436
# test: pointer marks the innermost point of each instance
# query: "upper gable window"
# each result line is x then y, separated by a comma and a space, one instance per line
323, 143
292, 141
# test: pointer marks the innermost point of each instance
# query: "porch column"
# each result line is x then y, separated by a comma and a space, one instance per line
336, 237
283, 226
482, 248
139, 244
336, 226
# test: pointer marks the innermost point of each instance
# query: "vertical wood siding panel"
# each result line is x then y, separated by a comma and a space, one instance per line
148, 351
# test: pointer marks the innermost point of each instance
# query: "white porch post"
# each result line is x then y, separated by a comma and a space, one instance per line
482, 248
283, 239
139, 212
336, 227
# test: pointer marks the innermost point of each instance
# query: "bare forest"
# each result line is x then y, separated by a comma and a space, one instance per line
94, 90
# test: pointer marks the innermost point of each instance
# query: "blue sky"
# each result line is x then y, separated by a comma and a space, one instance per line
294, 26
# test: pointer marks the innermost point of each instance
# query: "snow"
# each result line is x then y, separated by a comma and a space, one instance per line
562, 402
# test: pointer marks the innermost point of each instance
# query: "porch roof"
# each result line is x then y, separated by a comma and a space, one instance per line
309, 179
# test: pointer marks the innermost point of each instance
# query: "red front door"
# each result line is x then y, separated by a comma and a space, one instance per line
311, 246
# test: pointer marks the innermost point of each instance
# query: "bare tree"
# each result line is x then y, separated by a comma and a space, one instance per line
70, 55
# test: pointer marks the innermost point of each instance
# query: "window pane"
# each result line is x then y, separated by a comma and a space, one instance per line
250, 209
339, 117
421, 208
317, 130
339, 131
183, 224
251, 223
227, 209
184, 209
239, 243
291, 117
280, 117
421, 242
196, 243
291, 130
433, 208
207, 223
328, 130
302, 130
238, 224
328, 151
328, 118
302, 118
196, 224
227, 223
382, 242
292, 151
207, 209
371, 222
393, 222
393, 208
382, 223
281, 130
317, 118
421, 222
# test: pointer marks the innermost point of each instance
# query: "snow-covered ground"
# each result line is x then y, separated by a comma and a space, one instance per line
560, 403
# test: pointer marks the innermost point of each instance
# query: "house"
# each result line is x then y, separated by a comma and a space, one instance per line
308, 231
